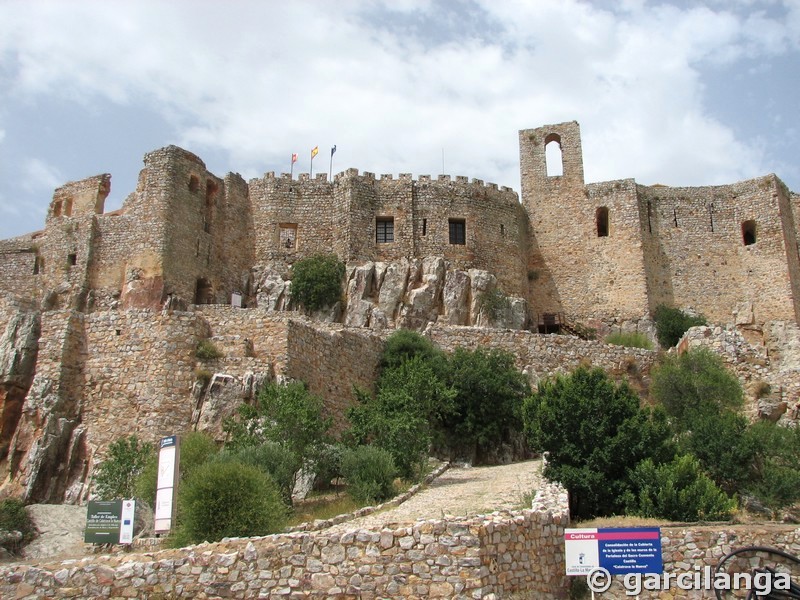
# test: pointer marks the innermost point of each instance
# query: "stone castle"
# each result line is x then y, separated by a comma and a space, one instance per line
102, 312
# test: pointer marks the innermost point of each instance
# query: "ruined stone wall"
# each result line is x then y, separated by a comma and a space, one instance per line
118, 236
331, 360
545, 355
696, 254
584, 257
235, 237
17, 272
448, 558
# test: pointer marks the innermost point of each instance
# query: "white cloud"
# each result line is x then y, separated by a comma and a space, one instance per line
39, 176
262, 80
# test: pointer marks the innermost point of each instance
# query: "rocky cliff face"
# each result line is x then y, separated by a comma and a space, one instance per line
409, 294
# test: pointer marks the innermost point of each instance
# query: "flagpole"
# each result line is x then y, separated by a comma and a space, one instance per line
291, 168
330, 168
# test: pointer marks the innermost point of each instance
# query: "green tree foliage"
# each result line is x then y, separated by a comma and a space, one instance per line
672, 323
228, 499
116, 476
284, 414
488, 401
399, 418
369, 472
725, 447
317, 281
276, 460
777, 470
679, 491
196, 448
594, 432
405, 344
14, 517
694, 383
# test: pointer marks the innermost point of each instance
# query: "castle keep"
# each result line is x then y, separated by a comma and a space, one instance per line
100, 313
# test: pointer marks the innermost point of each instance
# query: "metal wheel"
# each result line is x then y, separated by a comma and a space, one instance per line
758, 565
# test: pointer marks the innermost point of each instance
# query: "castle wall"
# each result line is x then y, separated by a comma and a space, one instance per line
17, 268
696, 255
578, 266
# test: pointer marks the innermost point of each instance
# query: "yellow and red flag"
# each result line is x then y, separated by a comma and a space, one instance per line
315, 151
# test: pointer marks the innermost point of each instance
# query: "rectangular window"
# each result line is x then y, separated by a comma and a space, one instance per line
288, 236
384, 230
458, 231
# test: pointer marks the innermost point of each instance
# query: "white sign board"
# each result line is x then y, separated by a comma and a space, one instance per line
126, 526
167, 480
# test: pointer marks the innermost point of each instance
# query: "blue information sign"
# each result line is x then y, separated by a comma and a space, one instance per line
619, 550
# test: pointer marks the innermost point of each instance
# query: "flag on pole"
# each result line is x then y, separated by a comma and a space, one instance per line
315, 151
294, 158
333, 150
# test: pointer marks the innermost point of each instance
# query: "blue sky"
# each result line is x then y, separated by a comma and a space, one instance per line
674, 92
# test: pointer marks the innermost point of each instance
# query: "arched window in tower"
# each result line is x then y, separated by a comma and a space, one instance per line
601, 216
749, 233
552, 155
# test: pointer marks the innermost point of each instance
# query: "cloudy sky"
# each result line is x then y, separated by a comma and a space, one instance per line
673, 92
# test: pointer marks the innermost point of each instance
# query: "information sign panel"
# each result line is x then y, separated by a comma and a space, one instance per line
619, 551
103, 519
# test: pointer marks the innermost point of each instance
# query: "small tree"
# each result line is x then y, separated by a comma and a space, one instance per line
116, 476
317, 281
672, 323
369, 472
228, 499
694, 383
594, 432
777, 472
14, 517
488, 404
678, 491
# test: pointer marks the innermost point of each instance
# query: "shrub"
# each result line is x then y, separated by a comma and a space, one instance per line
678, 491
399, 417
405, 344
672, 323
473, 423
275, 460
327, 465
630, 340
203, 376
317, 281
594, 432
116, 476
228, 499
777, 473
695, 382
207, 350
14, 517
369, 472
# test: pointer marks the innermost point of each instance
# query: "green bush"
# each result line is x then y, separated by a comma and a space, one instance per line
207, 350
594, 432
404, 344
327, 465
116, 476
228, 499
475, 424
277, 461
494, 304
14, 517
672, 323
632, 339
317, 281
369, 472
678, 491
693, 383
400, 417
777, 479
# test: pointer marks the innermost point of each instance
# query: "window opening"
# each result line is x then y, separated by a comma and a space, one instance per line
384, 230
72, 260
502, 229
749, 233
553, 156
711, 216
194, 183
203, 292
287, 236
602, 221
57, 209
38, 265
211, 193
458, 231
649, 217
68, 207
424, 226
675, 217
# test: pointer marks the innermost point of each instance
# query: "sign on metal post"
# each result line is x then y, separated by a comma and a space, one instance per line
618, 551
103, 519
168, 465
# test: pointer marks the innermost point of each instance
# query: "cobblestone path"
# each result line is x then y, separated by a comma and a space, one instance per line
461, 491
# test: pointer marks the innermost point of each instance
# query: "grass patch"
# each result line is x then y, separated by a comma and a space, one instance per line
630, 340
322, 507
